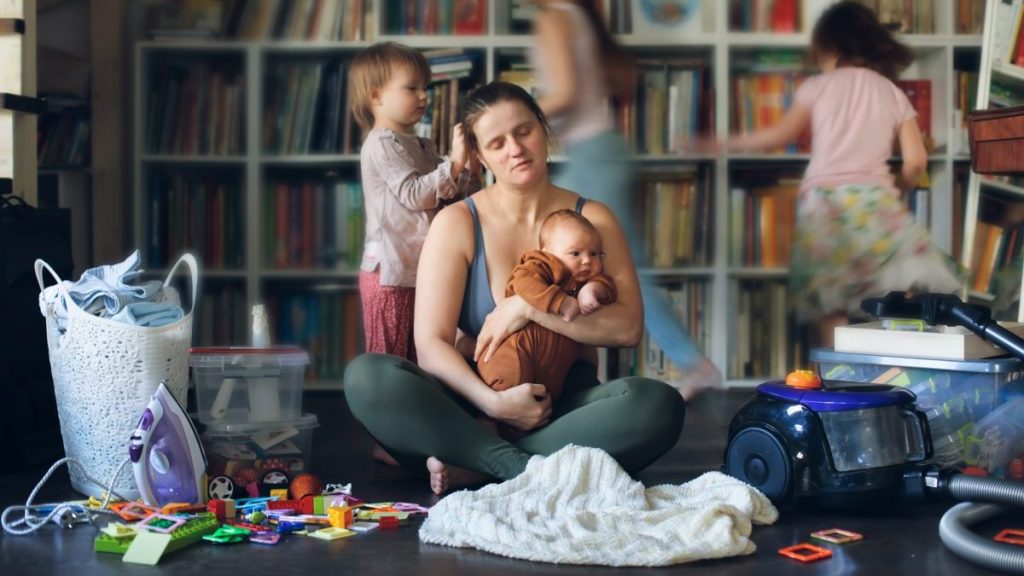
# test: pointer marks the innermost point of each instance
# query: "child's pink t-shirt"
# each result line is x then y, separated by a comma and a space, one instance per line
856, 115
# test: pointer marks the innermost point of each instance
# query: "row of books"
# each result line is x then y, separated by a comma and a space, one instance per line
765, 15
306, 109
690, 303
966, 84
195, 108
222, 315
996, 248
673, 104
760, 100
311, 20
313, 225
324, 321
905, 16
64, 139
762, 223
762, 345
919, 92
1008, 42
677, 216
459, 17
201, 214
970, 16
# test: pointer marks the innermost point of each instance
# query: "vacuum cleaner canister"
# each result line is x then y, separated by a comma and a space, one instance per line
842, 447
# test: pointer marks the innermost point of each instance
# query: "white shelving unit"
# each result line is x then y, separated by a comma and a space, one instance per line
935, 62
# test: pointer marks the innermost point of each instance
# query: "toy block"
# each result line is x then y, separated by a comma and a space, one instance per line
306, 504
222, 508
388, 523
293, 505
189, 533
248, 526
279, 493
340, 516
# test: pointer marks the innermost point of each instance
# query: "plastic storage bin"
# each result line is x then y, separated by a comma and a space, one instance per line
240, 385
247, 451
956, 395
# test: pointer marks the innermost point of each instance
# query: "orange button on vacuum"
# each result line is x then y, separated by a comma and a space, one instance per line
803, 379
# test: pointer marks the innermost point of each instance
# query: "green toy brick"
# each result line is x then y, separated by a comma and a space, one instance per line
189, 533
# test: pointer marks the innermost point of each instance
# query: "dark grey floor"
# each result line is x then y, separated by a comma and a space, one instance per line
906, 543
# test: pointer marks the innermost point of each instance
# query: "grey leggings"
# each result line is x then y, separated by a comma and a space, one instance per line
413, 415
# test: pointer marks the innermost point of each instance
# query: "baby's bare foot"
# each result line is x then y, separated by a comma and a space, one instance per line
703, 376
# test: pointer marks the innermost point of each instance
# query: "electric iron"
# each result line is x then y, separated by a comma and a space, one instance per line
167, 458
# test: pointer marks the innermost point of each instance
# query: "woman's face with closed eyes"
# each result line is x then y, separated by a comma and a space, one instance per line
512, 143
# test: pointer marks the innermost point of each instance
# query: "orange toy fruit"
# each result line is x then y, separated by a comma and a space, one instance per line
305, 485
803, 379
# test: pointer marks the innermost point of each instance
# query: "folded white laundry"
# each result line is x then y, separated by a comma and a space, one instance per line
578, 506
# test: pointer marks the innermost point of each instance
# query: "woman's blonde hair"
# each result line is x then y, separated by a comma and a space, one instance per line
371, 69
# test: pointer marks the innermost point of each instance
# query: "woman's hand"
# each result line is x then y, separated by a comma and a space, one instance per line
523, 407
507, 318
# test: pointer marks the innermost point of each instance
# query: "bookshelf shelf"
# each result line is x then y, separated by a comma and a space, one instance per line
1003, 186
710, 288
1008, 70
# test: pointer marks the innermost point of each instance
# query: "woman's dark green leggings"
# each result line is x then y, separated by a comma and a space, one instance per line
413, 415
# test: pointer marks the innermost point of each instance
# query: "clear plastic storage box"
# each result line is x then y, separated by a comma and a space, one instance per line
246, 451
240, 385
965, 400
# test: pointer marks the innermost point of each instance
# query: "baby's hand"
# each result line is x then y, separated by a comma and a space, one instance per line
459, 155
570, 309
590, 297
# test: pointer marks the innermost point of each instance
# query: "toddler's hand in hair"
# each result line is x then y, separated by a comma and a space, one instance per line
570, 309
590, 297
460, 154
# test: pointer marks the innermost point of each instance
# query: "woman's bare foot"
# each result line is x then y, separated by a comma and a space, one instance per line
702, 376
380, 455
444, 477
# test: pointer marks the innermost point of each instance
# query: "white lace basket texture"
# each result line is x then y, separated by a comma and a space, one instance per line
104, 373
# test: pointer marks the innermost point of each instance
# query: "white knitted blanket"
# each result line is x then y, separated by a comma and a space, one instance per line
578, 506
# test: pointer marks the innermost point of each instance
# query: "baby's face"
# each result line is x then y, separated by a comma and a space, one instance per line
579, 250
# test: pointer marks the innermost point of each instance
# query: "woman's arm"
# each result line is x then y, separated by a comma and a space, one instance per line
619, 324
554, 34
440, 285
913, 154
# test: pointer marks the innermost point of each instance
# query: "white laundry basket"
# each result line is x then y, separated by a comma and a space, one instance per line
104, 373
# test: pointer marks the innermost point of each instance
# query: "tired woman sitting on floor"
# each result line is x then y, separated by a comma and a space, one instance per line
429, 413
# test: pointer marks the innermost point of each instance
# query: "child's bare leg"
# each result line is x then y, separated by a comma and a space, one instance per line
827, 326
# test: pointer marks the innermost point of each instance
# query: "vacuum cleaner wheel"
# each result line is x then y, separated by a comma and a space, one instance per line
756, 457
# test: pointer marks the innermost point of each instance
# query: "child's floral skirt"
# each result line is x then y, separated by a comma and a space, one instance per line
860, 241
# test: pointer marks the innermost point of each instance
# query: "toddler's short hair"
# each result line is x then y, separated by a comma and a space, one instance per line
565, 216
371, 69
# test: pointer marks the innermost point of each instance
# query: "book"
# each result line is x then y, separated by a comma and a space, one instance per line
946, 342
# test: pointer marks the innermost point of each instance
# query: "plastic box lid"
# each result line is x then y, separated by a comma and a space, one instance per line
216, 357
305, 422
1000, 365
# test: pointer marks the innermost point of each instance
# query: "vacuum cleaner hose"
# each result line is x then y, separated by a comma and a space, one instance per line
954, 528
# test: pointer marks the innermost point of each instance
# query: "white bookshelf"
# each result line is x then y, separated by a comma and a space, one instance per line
935, 62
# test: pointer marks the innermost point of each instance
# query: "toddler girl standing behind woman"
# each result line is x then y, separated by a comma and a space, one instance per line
855, 238
405, 183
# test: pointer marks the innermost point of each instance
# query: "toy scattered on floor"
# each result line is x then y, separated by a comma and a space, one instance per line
305, 485
805, 552
837, 536
1010, 536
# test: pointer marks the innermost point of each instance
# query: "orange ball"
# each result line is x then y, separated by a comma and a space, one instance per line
305, 485
803, 379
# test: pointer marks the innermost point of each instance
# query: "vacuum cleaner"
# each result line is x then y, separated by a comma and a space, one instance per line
167, 457
856, 446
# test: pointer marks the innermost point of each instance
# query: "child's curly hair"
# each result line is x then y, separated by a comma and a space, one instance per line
852, 32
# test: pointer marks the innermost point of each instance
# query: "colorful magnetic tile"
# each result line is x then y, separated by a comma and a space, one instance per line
1011, 536
134, 510
118, 530
411, 508
332, 533
161, 523
804, 552
836, 536
363, 527
147, 548
268, 538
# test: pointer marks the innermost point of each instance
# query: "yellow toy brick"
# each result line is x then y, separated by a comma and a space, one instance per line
340, 516
279, 493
